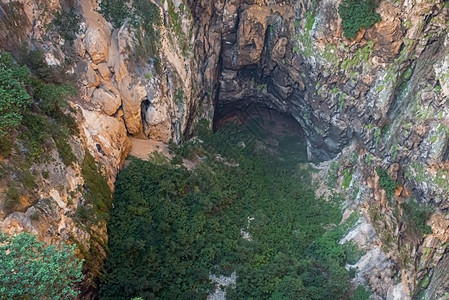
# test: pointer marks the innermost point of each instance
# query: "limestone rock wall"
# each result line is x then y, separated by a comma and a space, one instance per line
384, 94
121, 94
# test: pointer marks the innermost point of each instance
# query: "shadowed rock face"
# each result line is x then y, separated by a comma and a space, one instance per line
252, 44
291, 56
385, 91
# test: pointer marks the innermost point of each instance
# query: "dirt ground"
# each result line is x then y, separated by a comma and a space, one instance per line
143, 148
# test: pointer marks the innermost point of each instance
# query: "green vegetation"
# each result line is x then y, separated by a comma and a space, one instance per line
386, 183
145, 17
415, 215
332, 174
13, 198
357, 14
171, 228
67, 24
179, 97
115, 11
303, 43
347, 178
97, 192
34, 96
361, 293
31, 270
175, 23
14, 97
360, 57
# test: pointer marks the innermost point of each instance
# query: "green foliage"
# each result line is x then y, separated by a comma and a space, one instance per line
28, 180
361, 293
332, 174
352, 252
145, 17
46, 117
51, 97
12, 199
170, 227
179, 97
42, 72
34, 136
97, 192
6, 145
360, 57
67, 23
31, 270
347, 178
61, 136
415, 215
386, 183
357, 14
175, 23
115, 11
13, 96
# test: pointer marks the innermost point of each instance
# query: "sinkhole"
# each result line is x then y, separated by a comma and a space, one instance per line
230, 214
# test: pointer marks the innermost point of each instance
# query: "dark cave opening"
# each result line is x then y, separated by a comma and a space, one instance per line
261, 119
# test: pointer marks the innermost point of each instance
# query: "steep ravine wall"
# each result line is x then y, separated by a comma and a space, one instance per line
379, 100
122, 93
381, 96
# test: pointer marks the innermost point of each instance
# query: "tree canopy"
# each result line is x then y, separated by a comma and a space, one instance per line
30, 270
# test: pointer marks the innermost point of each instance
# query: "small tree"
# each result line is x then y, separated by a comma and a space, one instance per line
30, 269
357, 14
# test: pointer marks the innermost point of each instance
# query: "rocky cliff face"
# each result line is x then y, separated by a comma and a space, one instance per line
383, 92
377, 101
123, 93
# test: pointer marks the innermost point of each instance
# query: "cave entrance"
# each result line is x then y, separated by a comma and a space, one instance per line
272, 129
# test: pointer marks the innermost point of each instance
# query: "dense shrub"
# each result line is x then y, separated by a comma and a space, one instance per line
13, 96
170, 227
35, 96
386, 183
31, 270
357, 14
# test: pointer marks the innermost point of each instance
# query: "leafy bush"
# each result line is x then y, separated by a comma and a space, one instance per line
115, 11
31, 270
52, 97
35, 135
61, 137
386, 183
42, 72
357, 14
13, 95
28, 180
170, 227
